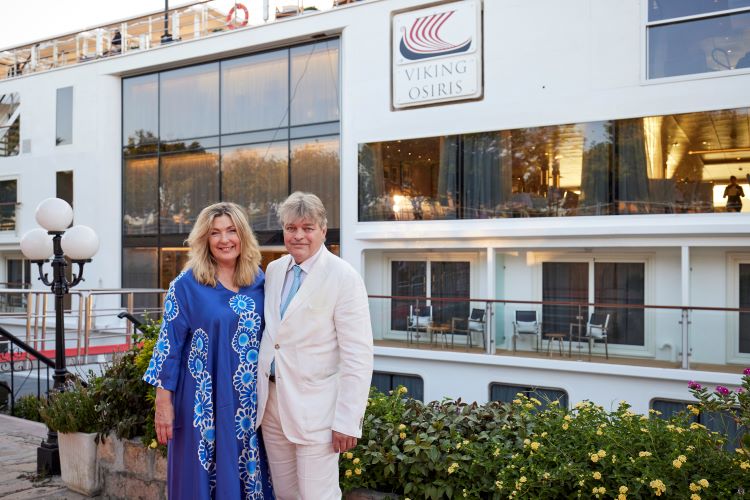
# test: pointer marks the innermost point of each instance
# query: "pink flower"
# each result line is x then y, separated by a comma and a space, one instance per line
740, 390
720, 389
694, 385
746, 371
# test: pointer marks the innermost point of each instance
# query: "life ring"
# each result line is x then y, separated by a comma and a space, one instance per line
230, 17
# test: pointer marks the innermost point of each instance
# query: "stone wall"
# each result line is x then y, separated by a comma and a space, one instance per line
129, 470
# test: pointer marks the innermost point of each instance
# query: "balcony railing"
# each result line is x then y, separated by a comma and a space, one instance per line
196, 20
668, 336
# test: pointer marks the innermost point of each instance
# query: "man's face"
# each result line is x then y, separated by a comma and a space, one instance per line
303, 239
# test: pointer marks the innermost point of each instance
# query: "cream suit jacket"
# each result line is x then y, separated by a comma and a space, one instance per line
323, 351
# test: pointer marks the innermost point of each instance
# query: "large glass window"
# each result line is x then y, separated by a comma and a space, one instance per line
8, 202
256, 177
697, 36
653, 165
615, 283
254, 92
437, 279
64, 117
249, 130
189, 102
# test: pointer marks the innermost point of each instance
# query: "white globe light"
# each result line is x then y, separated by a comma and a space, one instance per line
54, 214
80, 243
37, 244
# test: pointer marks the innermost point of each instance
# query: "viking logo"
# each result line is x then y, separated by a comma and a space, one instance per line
423, 38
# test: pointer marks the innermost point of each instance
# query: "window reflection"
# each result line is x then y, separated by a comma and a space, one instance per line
189, 102
653, 165
315, 83
189, 182
140, 192
699, 45
256, 177
254, 92
140, 100
315, 169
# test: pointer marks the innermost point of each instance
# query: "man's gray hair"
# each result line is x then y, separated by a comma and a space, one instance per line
300, 206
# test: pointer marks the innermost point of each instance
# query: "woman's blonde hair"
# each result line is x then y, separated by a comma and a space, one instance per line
203, 263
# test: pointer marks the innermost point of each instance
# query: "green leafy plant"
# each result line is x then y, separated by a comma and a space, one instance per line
451, 449
72, 409
27, 407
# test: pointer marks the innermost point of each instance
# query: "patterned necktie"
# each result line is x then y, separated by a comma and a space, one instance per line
293, 290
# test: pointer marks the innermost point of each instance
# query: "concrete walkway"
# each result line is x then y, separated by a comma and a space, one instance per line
19, 440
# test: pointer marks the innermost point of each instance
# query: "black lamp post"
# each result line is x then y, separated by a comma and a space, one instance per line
166, 37
79, 243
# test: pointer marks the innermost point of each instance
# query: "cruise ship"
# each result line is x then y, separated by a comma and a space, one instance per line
542, 197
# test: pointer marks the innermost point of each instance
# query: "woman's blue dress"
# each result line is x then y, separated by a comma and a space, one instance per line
207, 355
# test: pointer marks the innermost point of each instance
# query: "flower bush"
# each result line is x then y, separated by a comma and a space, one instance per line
526, 449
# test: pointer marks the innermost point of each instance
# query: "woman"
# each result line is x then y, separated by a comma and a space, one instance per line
205, 363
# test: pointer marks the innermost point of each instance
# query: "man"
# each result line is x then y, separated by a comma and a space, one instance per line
734, 194
315, 363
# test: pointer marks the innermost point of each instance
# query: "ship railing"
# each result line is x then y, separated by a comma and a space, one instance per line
668, 336
190, 21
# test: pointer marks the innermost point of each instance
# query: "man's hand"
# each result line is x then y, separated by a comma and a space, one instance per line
342, 442
164, 418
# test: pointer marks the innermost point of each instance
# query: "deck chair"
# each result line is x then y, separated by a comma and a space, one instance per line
597, 330
526, 323
475, 323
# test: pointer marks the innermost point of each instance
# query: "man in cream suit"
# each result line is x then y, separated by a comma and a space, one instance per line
315, 363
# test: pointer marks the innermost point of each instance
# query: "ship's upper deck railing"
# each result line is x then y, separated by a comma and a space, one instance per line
195, 20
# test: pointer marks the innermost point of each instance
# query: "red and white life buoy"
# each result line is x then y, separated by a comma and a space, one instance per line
233, 22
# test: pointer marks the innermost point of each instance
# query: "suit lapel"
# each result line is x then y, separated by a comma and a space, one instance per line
310, 285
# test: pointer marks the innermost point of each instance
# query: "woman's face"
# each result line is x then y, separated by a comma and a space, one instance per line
223, 240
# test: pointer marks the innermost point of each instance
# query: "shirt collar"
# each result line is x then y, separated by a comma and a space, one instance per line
309, 263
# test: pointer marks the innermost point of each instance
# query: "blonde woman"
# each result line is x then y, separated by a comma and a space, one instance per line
204, 364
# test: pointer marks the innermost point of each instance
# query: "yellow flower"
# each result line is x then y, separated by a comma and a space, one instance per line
601, 453
535, 446
536, 401
694, 487
498, 485
496, 453
153, 444
348, 473
516, 401
644, 453
581, 482
402, 390
744, 465
623, 490
544, 434
597, 475
658, 486
452, 468
527, 441
682, 458
565, 426
568, 418
529, 406
402, 435
694, 410
644, 417
401, 427
695, 496
676, 464
458, 446
703, 482
643, 429
599, 432
358, 471
522, 479
546, 475
466, 441
695, 426
602, 490
594, 457
622, 496
355, 461
348, 455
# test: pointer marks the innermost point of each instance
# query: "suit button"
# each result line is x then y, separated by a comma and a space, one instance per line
276, 346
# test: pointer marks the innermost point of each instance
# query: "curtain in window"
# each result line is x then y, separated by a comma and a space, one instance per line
621, 283
631, 167
408, 279
450, 280
564, 282
448, 174
374, 202
487, 178
596, 196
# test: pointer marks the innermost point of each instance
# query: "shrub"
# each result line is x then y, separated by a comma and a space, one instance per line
452, 449
70, 410
27, 407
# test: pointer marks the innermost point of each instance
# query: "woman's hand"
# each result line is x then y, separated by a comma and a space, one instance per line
164, 418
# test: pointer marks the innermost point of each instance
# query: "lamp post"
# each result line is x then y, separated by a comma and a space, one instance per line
166, 37
79, 244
